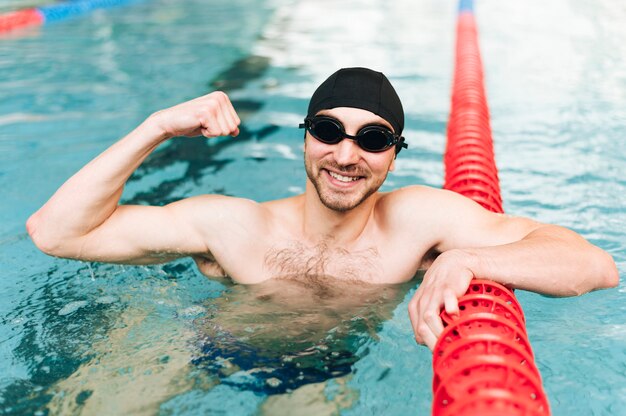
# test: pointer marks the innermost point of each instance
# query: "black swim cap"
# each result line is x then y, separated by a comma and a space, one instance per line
359, 88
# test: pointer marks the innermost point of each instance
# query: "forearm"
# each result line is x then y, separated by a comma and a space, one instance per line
550, 260
517, 252
89, 197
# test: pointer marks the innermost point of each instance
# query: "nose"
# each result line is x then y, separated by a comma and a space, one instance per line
346, 152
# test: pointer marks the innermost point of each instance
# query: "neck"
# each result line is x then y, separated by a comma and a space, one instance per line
323, 223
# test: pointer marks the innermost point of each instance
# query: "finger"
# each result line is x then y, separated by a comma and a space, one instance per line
430, 340
423, 331
212, 128
227, 106
208, 133
232, 112
208, 125
214, 121
432, 319
209, 122
414, 317
230, 117
451, 302
225, 128
227, 113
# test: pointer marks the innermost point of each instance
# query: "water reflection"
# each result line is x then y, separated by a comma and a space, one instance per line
53, 339
276, 336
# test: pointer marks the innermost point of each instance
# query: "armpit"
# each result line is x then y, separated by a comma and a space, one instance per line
209, 267
428, 259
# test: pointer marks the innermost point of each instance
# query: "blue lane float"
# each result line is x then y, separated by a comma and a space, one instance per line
62, 11
466, 6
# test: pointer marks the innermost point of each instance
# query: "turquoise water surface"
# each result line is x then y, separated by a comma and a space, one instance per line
88, 338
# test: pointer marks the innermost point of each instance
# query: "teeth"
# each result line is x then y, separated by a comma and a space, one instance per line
343, 178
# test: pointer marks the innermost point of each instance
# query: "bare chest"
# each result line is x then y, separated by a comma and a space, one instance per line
369, 264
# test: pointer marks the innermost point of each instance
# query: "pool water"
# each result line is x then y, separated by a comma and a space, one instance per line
88, 338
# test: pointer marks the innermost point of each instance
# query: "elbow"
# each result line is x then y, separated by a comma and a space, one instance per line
605, 276
610, 272
43, 242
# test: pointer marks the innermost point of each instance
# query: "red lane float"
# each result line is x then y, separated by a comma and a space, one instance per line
483, 363
21, 18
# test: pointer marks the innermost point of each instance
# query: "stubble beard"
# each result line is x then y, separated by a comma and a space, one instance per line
337, 200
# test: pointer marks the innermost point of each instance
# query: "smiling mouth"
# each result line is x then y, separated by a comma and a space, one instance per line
342, 178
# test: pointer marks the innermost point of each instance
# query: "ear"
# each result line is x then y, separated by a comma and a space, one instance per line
392, 166
304, 143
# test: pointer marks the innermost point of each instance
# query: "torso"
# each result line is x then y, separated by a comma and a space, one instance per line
379, 257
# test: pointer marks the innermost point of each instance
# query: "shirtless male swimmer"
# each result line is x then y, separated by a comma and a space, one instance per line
341, 226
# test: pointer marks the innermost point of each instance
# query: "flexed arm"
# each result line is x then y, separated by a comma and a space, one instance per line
83, 216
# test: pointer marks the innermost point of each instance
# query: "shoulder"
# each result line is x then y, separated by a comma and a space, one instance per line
412, 214
452, 220
218, 213
418, 199
225, 203
436, 215
285, 213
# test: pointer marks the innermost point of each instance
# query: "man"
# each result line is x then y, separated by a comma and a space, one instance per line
341, 227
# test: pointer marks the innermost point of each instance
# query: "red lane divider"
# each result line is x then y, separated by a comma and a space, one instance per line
483, 363
21, 18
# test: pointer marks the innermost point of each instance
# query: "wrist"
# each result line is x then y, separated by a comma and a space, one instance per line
469, 259
156, 127
483, 265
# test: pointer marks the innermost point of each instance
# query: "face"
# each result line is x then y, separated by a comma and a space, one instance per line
343, 174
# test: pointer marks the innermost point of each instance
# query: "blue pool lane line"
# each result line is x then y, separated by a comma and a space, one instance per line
466, 6
62, 11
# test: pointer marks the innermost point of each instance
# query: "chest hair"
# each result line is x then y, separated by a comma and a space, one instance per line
299, 261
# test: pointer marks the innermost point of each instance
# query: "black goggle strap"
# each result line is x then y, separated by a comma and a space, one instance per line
401, 144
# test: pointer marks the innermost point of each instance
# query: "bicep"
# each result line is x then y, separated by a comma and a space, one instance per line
141, 235
208, 224
466, 224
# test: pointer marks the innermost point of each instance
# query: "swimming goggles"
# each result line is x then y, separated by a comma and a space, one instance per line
371, 138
